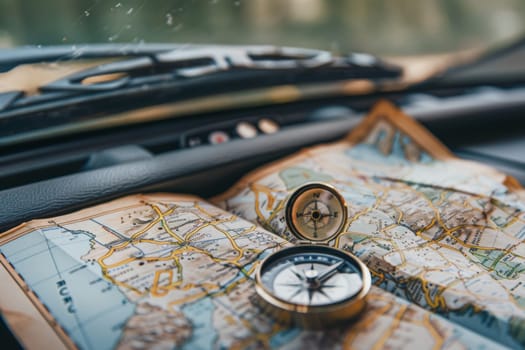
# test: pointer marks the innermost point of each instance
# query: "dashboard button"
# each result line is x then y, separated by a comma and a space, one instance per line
246, 130
268, 126
217, 137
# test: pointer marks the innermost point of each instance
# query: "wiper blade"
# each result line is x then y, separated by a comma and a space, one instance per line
10, 58
201, 61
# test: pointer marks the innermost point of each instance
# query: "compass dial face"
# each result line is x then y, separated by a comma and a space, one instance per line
315, 277
316, 212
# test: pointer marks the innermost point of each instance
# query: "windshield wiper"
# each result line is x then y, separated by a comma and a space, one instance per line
200, 61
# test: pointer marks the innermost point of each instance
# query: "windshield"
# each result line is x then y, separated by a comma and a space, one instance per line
395, 27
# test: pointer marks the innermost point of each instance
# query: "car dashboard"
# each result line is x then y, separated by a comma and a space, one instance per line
483, 124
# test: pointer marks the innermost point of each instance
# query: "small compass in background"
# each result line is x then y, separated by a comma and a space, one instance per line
316, 212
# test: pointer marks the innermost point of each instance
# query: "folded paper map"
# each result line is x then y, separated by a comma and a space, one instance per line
442, 238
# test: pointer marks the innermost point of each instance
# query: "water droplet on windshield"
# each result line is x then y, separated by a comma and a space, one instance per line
169, 19
130, 11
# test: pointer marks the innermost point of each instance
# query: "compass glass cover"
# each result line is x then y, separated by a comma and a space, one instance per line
312, 278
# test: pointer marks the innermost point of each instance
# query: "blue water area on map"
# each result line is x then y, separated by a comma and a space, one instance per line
359, 196
89, 308
284, 337
468, 324
474, 340
200, 314
483, 323
296, 176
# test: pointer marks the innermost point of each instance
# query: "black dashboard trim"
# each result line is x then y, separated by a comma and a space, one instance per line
176, 170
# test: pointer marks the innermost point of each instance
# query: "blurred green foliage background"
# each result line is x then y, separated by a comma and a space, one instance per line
391, 27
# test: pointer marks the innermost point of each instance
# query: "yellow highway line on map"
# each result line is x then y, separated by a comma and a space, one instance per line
276, 211
157, 290
268, 191
370, 318
433, 304
261, 217
239, 251
437, 336
165, 224
395, 323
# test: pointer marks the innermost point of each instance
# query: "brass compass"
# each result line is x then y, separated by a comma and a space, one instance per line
316, 212
312, 286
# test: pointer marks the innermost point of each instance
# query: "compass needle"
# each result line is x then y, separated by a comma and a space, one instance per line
326, 274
